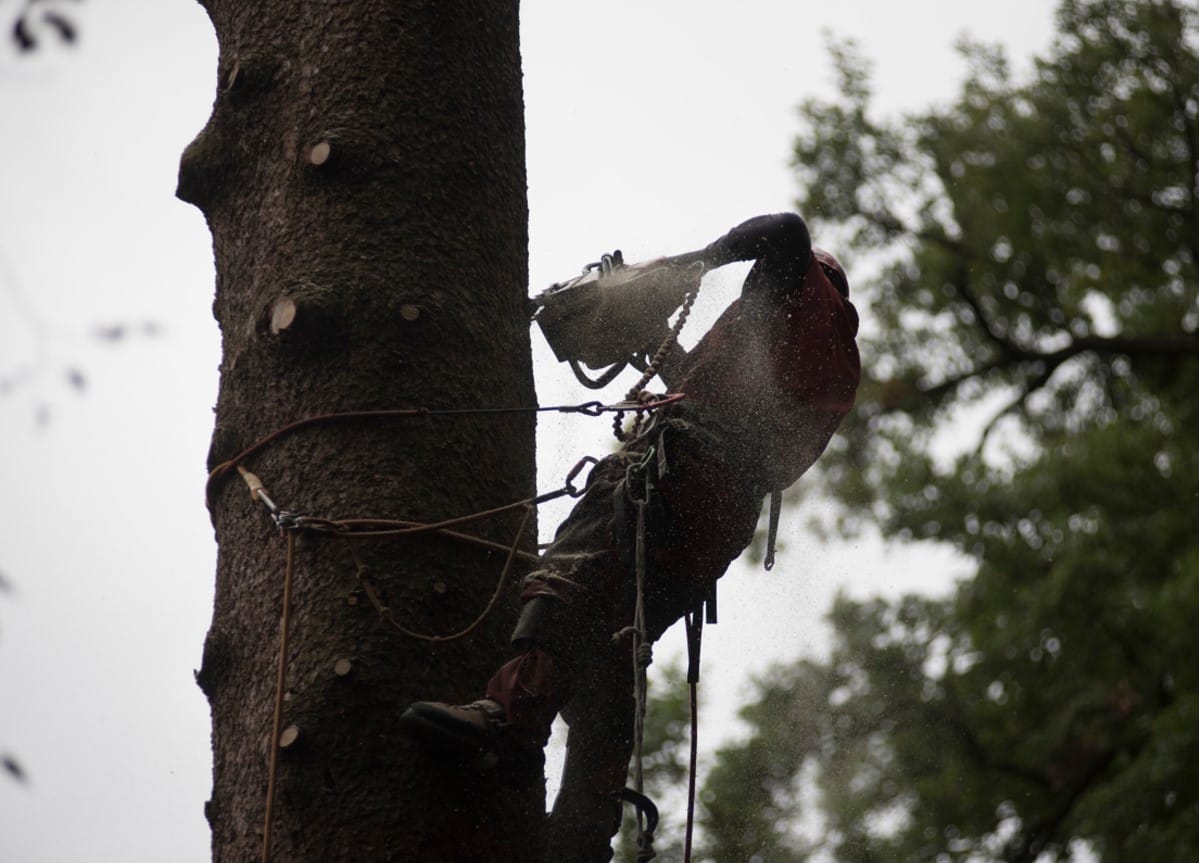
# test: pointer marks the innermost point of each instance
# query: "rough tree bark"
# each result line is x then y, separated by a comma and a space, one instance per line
363, 177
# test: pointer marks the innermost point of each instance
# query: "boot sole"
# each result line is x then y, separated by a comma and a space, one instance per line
464, 744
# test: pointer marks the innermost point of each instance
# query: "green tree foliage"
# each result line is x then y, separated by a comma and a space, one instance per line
1039, 243
757, 815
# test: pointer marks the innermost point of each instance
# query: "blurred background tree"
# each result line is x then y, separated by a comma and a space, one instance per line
34, 20
1035, 247
34, 14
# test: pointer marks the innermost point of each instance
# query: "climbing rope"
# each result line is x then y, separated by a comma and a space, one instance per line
642, 649
694, 625
280, 681
385, 613
639, 476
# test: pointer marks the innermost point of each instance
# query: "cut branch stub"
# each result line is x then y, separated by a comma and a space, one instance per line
306, 312
231, 79
289, 736
318, 153
283, 314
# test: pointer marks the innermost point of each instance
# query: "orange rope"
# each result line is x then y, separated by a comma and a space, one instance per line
258, 492
385, 612
280, 681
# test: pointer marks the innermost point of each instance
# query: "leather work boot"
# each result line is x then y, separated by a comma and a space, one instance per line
476, 736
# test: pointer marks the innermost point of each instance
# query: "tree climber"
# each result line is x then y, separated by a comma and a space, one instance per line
765, 389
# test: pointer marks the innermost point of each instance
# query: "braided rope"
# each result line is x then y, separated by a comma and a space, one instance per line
635, 393
642, 657
280, 681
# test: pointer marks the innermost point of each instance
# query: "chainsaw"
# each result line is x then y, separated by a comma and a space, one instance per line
615, 314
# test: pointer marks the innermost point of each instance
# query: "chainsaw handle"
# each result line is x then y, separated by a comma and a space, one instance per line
688, 259
778, 241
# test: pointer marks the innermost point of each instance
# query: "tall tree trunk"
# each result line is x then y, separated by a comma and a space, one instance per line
363, 177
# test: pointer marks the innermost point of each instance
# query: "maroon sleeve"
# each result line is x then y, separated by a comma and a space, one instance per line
815, 351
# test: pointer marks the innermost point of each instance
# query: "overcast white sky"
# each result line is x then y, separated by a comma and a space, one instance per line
653, 126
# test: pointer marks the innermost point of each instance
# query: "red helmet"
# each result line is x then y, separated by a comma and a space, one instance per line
833, 270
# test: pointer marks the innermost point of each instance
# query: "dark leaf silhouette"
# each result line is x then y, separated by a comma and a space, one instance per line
22, 36
12, 767
64, 27
35, 17
110, 332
